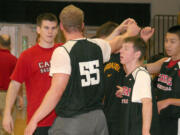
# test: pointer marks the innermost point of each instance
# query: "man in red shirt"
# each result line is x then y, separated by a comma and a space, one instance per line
33, 69
7, 62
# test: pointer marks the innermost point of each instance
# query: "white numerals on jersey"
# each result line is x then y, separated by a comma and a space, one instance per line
88, 68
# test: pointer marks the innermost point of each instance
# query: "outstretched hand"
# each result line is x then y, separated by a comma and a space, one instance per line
146, 33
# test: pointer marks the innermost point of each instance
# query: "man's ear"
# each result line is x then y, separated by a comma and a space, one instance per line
61, 26
138, 54
82, 26
38, 29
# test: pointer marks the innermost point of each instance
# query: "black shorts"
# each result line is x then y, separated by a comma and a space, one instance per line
169, 126
41, 131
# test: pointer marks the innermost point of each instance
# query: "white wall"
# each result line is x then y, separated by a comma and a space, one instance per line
165, 7
17, 32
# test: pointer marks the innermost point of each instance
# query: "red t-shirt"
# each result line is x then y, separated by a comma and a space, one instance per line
7, 62
33, 68
172, 63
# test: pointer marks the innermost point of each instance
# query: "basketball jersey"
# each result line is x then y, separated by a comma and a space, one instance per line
126, 116
168, 86
84, 91
113, 70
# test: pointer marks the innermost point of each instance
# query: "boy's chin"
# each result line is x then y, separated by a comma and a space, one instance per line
169, 54
122, 62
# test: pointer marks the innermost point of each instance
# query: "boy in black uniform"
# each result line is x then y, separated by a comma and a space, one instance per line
113, 66
114, 74
168, 84
135, 95
77, 87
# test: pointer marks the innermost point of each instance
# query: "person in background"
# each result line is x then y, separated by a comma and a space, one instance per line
33, 68
102, 32
168, 85
7, 62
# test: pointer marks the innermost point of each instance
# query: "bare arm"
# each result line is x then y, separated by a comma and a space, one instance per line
174, 101
146, 33
121, 28
20, 100
147, 115
116, 42
156, 66
165, 103
58, 85
13, 90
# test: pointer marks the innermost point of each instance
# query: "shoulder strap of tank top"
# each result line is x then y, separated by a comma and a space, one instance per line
65, 49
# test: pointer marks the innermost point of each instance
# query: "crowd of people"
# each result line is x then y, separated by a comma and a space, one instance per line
94, 86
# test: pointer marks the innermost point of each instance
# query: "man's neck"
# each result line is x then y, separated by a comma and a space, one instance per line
73, 35
46, 45
174, 58
5, 48
129, 68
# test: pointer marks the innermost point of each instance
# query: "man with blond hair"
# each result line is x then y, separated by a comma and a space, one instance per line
77, 84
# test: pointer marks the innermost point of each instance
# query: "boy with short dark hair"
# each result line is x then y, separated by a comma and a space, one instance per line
168, 84
33, 68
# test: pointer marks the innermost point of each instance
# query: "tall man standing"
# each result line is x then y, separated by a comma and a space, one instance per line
33, 69
77, 87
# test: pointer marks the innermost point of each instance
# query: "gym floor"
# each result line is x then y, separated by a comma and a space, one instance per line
20, 121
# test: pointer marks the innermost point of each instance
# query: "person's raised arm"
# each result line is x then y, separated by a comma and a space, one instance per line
12, 92
58, 85
146, 33
116, 42
121, 28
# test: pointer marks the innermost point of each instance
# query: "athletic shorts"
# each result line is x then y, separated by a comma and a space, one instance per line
91, 123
